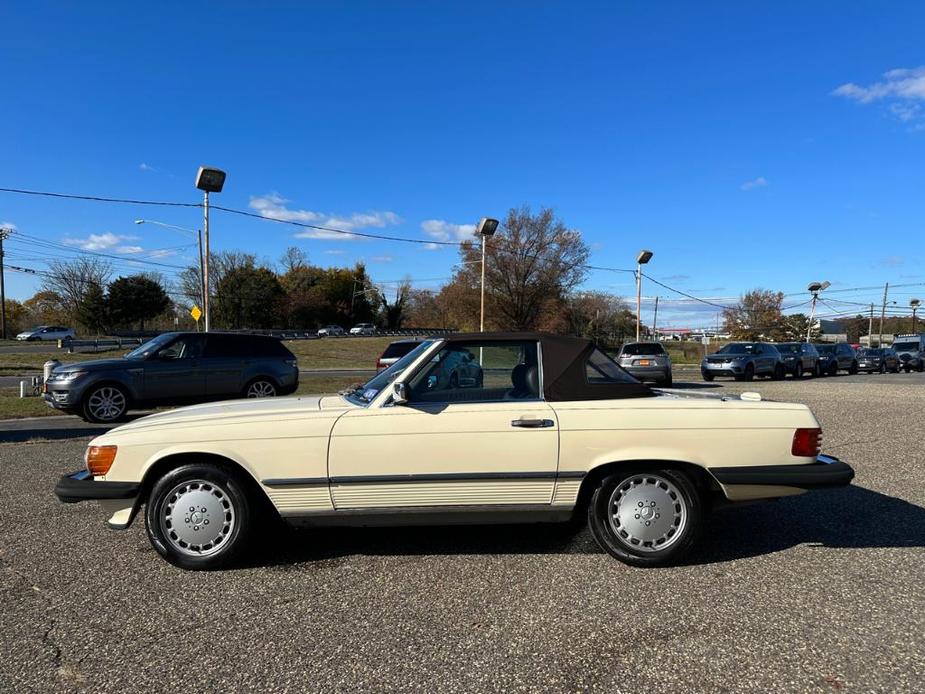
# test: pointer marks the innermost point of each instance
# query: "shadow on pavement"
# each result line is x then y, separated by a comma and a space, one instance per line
57, 429
847, 518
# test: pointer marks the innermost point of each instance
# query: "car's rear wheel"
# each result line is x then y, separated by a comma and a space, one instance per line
798, 370
833, 369
749, 373
646, 518
668, 380
105, 404
198, 516
778, 373
883, 368
260, 388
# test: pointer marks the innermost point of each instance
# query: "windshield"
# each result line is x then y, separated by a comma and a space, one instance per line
906, 347
739, 348
642, 348
365, 393
146, 349
825, 349
870, 353
789, 348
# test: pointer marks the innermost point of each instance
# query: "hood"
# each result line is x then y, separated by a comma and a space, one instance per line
95, 365
240, 410
727, 357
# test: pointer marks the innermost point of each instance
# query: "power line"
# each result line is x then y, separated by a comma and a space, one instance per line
95, 198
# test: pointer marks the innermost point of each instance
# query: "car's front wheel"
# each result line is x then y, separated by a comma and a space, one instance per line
198, 516
105, 404
853, 369
646, 518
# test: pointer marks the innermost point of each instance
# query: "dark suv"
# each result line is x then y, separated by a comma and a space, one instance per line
743, 361
800, 358
174, 369
837, 357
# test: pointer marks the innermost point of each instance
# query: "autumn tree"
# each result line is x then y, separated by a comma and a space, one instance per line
71, 279
603, 317
533, 262
757, 315
393, 312
794, 327
93, 311
46, 308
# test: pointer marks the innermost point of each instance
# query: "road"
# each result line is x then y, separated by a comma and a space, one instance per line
821, 592
13, 381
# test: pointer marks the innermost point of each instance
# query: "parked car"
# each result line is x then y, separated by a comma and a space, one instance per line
331, 331
799, 358
46, 332
363, 329
838, 356
911, 351
743, 361
394, 352
646, 361
174, 369
880, 360
557, 430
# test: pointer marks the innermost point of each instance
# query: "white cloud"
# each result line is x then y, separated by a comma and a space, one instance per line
273, 206
431, 247
146, 167
759, 182
446, 231
8, 225
903, 90
335, 251
382, 259
104, 242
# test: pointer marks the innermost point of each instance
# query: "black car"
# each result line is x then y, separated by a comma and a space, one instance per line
743, 361
836, 357
174, 369
879, 360
799, 358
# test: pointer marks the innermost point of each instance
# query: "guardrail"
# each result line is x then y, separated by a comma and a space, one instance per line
71, 345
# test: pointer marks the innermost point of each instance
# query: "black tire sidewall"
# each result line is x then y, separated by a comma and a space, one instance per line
605, 537
236, 542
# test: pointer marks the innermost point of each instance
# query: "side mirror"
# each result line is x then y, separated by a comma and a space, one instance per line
399, 393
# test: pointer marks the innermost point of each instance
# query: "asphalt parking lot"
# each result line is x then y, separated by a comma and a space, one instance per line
821, 592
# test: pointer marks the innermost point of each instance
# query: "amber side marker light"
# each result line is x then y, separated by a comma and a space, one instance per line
806, 443
100, 459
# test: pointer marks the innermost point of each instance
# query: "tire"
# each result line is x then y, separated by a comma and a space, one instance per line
833, 369
668, 380
798, 370
853, 369
675, 513
749, 373
106, 403
173, 529
778, 373
708, 377
261, 388
817, 370
883, 368
921, 366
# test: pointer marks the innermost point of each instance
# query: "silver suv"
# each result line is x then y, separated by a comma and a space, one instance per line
647, 361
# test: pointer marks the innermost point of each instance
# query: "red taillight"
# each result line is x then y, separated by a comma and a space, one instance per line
379, 364
807, 443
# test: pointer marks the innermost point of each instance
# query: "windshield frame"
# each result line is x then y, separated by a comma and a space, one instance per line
358, 396
910, 346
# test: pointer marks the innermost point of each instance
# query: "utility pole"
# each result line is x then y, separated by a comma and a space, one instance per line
205, 264
4, 233
870, 326
655, 321
886, 288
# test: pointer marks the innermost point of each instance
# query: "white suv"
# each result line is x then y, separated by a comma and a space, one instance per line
363, 329
46, 332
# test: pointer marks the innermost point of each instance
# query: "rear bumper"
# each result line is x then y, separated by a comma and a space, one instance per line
80, 486
640, 372
825, 472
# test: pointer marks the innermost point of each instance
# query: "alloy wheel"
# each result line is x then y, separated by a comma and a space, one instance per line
106, 404
197, 517
647, 512
261, 389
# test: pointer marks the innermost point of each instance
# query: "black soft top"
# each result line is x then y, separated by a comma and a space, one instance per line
565, 360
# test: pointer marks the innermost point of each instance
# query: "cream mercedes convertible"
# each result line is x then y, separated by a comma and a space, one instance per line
471, 428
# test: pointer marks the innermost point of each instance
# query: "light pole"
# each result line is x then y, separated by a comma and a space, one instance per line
487, 227
641, 259
208, 180
195, 232
815, 288
914, 303
4, 233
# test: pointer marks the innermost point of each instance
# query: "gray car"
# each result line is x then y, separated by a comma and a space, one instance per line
647, 361
799, 358
174, 369
911, 351
743, 361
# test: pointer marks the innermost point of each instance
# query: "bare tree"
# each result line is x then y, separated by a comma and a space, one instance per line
393, 314
533, 263
293, 259
72, 279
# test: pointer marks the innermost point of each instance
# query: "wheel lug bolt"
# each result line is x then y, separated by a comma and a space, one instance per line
206, 521
192, 508
639, 504
186, 520
647, 523
637, 516
203, 509
195, 527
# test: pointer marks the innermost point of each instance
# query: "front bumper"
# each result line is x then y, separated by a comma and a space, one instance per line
80, 486
826, 471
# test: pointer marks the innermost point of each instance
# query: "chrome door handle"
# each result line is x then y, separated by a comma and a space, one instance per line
532, 423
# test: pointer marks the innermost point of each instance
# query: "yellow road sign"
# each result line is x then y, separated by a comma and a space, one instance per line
195, 313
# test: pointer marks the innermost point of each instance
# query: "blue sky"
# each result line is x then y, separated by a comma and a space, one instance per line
720, 135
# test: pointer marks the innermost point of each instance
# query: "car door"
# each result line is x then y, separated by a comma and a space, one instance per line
474, 432
223, 364
173, 373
